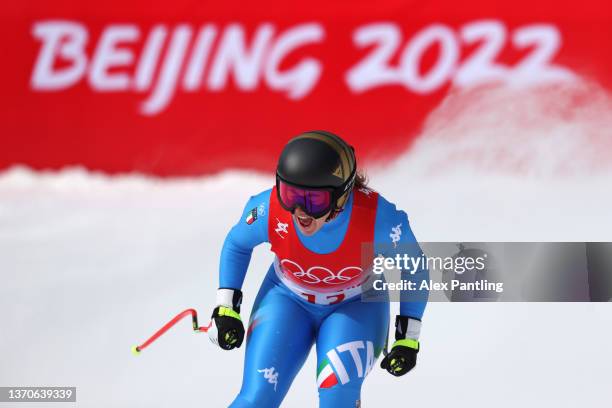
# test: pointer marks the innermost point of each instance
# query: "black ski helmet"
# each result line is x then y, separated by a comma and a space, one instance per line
319, 159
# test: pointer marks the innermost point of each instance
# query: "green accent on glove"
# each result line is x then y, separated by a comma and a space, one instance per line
396, 368
230, 338
411, 343
226, 311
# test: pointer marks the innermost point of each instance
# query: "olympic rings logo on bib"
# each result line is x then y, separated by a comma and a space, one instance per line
319, 276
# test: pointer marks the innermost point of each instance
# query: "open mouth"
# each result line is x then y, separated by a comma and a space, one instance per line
305, 220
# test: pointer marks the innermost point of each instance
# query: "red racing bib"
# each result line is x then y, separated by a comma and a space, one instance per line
324, 278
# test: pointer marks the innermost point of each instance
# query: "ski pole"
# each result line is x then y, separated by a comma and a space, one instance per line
194, 319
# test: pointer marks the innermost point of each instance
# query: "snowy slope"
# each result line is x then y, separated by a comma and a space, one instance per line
91, 265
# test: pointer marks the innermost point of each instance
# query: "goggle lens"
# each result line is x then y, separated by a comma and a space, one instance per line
315, 203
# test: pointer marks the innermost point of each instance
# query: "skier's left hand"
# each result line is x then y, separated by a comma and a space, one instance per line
400, 359
403, 355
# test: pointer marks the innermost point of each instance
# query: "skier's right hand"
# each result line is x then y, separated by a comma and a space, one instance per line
227, 330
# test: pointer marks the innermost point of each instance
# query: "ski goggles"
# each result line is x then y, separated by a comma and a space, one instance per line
315, 202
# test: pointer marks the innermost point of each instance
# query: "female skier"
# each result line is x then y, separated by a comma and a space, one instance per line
316, 219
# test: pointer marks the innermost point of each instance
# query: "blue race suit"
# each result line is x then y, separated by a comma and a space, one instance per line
283, 326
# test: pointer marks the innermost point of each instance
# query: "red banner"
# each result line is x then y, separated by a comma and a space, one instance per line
190, 87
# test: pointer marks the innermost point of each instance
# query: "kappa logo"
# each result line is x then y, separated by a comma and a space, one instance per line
281, 228
396, 233
270, 375
332, 370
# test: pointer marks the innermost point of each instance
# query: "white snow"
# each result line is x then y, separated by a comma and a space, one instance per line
92, 264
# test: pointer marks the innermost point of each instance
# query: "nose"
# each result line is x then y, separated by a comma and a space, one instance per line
300, 212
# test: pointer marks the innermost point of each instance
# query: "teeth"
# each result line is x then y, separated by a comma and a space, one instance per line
305, 220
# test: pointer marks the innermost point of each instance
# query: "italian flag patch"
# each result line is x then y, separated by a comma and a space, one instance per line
251, 216
325, 375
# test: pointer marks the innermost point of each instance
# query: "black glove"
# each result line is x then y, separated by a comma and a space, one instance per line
227, 330
403, 355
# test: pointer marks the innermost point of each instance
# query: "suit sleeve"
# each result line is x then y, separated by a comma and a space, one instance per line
250, 231
393, 237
